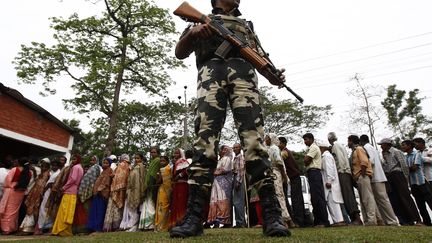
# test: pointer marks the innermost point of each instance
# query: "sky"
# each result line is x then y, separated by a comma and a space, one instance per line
321, 44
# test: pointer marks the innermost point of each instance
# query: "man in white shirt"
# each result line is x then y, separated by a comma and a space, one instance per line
385, 212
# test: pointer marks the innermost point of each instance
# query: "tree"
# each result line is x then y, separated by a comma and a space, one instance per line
404, 113
141, 126
126, 48
363, 112
86, 143
291, 119
283, 117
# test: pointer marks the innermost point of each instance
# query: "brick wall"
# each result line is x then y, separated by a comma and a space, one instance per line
17, 117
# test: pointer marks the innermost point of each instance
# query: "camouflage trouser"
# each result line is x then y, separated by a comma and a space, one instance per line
219, 82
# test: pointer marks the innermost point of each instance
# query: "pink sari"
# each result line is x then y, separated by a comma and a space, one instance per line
10, 204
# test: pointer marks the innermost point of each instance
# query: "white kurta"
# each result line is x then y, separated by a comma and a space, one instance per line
330, 175
333, 195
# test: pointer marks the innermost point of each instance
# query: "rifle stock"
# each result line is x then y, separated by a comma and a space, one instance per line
261, 64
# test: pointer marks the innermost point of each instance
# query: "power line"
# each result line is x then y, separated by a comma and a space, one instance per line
344, 71
378, 75
357, 60
358, 49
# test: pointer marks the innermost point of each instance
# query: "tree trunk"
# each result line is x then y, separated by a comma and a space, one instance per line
113, 119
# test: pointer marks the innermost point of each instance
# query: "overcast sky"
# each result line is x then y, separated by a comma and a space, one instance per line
322, 44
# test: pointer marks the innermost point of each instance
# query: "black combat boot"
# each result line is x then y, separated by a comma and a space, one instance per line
192, 224
273, 224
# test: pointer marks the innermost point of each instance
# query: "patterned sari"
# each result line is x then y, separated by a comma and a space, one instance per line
33, 201
163, 200
135, 196
220, 199
114, 212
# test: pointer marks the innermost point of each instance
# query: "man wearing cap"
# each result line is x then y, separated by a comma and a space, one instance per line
332, 189
345, 178
362, 174
313, 165
385, 213
225, 77
395, 169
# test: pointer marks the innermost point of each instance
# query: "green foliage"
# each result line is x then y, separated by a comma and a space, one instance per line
298, 157
127, 47
291, 119
404, 113
283, 117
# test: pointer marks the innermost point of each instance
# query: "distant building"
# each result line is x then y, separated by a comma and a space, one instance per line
26, 129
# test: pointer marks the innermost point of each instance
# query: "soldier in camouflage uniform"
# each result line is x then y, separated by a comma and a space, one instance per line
225, 77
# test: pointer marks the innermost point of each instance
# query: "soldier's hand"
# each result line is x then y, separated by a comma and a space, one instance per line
281, 76
201, 31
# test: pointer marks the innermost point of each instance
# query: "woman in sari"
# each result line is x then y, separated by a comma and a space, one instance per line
114, 212
180, 188
65, 215
164, 195
85, 192
220, 198
101, 192
278, 167
43, 222
34, 199
56, 193
148, 207
15, 185
134, 195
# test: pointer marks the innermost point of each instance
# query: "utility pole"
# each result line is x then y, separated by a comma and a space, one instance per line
185, 130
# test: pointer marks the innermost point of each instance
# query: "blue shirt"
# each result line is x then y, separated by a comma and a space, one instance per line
415, 177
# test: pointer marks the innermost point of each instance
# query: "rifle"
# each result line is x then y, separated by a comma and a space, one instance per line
264, 66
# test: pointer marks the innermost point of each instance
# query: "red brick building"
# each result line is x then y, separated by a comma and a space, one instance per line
26, 129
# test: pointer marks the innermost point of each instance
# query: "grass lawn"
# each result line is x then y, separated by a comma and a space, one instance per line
340, 234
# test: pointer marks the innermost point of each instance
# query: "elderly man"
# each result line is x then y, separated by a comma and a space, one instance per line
396, 171
332, 189
345, 179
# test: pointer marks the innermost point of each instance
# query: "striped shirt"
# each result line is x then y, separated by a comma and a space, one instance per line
394, 160
415, 177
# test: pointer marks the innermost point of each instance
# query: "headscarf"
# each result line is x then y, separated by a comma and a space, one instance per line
180, 163
109, 160
124, 157
96, 159
274, 140
228, 151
